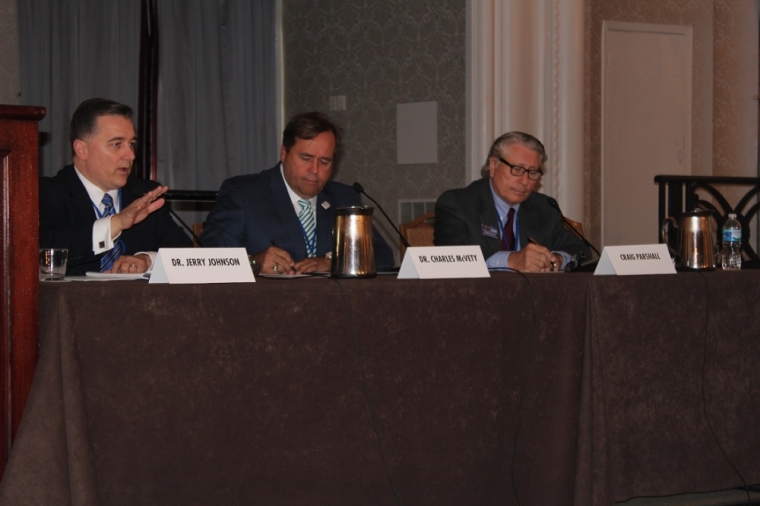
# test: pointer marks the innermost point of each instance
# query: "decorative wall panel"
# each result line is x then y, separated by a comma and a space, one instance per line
379, 54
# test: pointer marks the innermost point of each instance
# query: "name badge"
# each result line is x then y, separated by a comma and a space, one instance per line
441, 262
635, 259
202, 266
489, 231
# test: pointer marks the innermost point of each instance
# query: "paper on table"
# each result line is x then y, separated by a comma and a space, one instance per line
294, 276
104, 276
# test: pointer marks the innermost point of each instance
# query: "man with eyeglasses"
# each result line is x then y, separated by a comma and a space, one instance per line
515, 227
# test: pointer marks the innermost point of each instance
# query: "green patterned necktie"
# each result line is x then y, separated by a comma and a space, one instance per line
308, 226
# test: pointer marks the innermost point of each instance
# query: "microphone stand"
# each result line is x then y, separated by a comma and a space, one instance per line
578, 267
360, 189
580, 236
171, 211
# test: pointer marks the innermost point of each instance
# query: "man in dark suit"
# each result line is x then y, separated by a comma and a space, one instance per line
515, 227
108, 221
272, 214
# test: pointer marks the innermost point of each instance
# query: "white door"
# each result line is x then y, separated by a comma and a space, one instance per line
646, 124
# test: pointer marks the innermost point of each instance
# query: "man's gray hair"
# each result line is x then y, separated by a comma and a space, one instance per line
507, 140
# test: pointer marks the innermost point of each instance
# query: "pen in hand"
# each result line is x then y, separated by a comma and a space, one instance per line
290, 268
554, 264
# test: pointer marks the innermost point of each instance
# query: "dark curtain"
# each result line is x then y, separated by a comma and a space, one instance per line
216, 109
217, 97
72, 50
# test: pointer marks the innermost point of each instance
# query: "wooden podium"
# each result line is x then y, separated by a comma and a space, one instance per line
19, 279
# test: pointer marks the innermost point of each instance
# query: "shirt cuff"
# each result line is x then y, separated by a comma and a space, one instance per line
498, 260
565, 258
101, 235
152, 255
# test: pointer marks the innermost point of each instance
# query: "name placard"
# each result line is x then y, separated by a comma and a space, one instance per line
635, 259
202, 266
441, 262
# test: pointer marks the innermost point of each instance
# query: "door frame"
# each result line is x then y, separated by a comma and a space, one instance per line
616, 26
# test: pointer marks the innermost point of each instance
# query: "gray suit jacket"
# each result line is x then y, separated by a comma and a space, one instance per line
468, 216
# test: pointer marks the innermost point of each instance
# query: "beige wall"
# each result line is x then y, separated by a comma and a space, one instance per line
725, 77
735, 86
9, 71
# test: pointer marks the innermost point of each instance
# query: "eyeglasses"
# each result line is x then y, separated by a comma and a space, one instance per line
517, 170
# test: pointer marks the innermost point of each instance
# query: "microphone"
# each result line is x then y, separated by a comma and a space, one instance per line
197, 239
360, 189
553, 203
171, 211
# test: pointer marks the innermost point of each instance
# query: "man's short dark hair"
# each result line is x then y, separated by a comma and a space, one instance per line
84, 121
307, 126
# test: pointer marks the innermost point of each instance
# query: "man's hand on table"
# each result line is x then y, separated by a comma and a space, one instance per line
534, 258
274, 261
316, 264
128, 264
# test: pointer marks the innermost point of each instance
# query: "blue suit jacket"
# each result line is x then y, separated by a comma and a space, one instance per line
255, 211
67, 215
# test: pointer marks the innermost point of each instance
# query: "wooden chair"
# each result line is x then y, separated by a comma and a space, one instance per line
419, 231
574, 224
197, 229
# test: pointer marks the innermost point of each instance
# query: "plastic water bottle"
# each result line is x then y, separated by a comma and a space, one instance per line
731, 256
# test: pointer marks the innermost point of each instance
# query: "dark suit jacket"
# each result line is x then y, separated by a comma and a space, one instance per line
462, 215
67, 215
255, 211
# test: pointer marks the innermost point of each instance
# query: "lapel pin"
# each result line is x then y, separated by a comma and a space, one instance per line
489, 231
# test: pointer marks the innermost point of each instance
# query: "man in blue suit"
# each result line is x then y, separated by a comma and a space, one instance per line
272, 214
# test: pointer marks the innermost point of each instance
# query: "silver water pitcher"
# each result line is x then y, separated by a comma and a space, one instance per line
695, 249
353, 252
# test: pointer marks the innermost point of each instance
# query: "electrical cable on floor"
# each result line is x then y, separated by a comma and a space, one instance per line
523, 384
704, 395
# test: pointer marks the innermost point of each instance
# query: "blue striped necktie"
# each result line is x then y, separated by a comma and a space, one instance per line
106, 261
306, 217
